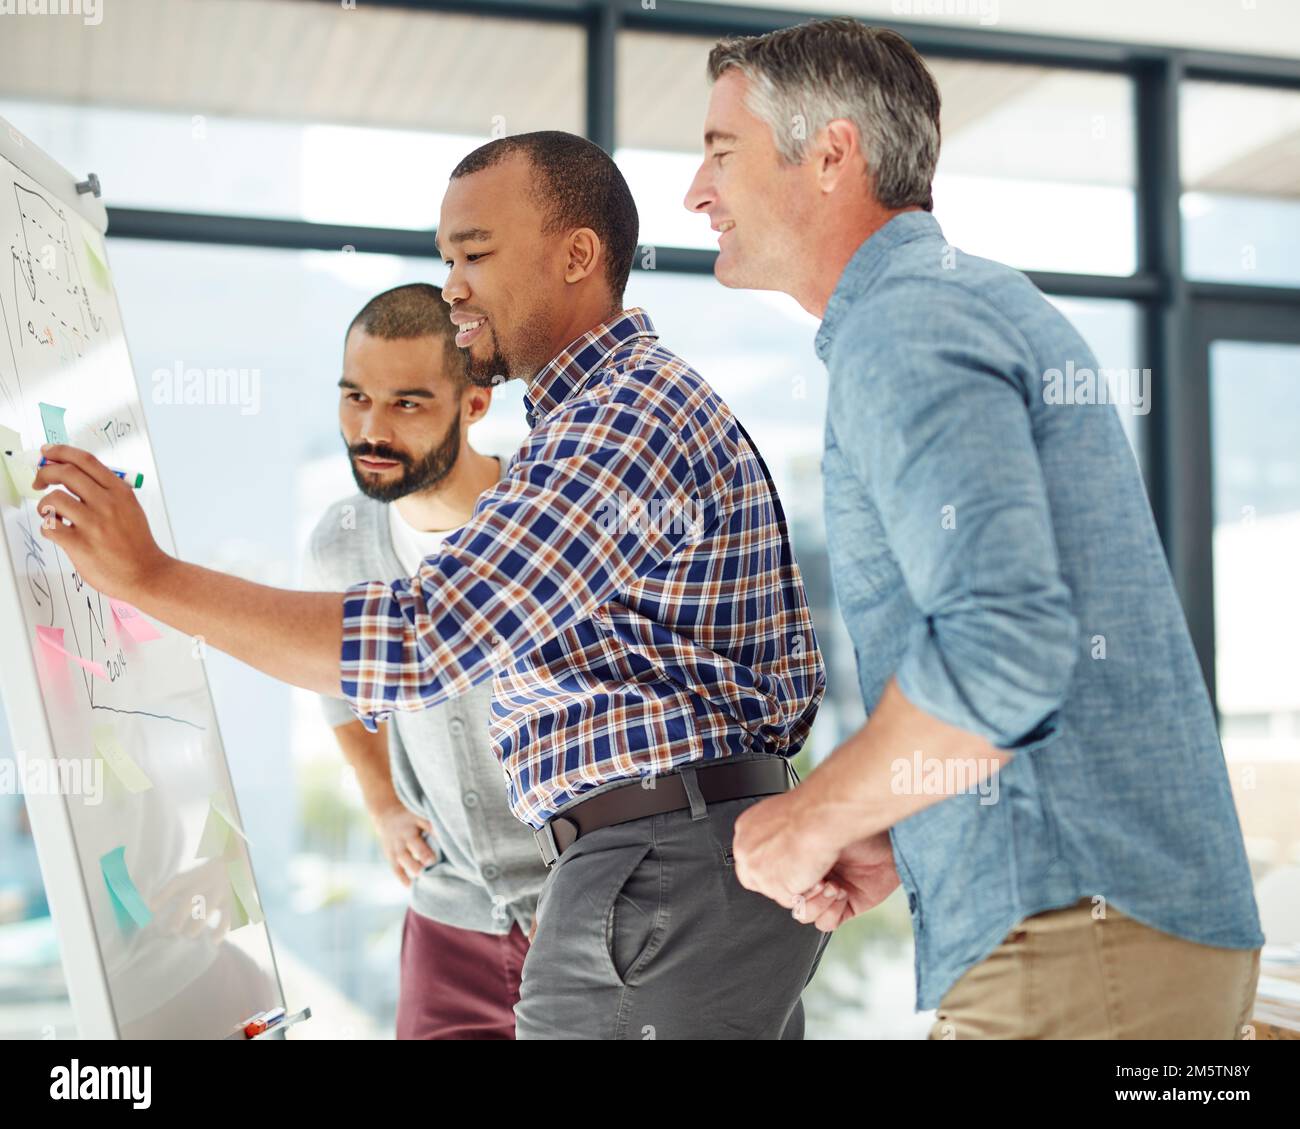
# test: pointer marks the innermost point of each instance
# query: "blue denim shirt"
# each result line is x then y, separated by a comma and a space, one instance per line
993, 547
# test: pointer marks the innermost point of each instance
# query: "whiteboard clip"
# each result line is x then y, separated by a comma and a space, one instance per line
90, 184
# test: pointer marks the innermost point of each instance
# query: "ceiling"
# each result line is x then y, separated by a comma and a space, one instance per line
302, 60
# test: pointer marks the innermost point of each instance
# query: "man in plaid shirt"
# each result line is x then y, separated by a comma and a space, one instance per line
629, 584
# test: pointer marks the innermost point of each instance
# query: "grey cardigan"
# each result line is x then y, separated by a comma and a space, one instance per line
488, 872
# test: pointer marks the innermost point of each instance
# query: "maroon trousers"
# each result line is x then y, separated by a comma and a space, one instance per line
458, 983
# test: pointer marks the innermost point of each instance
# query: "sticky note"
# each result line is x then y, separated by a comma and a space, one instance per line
52, 637
216, 831
241, 881
107, 745
131, 623
98, 268
52, 418
18, 468
9, 493
128, 905
52, 671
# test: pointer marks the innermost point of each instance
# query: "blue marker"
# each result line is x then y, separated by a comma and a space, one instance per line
130, 477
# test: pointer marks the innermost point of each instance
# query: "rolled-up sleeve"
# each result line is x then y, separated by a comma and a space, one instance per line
545, 547
934, 415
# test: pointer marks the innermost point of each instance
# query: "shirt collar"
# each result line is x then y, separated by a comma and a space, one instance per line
865, 266
566, 372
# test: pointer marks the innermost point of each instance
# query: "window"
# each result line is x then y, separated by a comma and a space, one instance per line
1255, 406
284, 109
1240, 149
1036, 167
1110, 329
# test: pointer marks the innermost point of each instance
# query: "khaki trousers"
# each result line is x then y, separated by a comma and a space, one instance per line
1095, 973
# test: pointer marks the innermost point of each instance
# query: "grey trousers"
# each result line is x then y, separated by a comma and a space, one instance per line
643, 932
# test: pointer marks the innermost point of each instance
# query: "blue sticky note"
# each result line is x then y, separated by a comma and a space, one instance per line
52, 418
128, 906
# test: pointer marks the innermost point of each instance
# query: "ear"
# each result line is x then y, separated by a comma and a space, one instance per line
585, 251
474, 403
839, 154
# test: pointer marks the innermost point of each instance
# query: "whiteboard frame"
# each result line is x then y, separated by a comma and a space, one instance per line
52, 830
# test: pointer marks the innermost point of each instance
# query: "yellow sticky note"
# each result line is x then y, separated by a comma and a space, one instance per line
241, 881
8, 493
18, 469
219, 805
216, 831
131, 775
98, 268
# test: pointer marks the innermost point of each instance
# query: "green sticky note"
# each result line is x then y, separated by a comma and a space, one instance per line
21, 468
219, 805
238, 918
52, 418
98, 268
131, 775
128, 906
241, 880
215, 835
9, 441
216, 831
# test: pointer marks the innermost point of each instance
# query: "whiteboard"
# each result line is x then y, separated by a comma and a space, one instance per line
137, 830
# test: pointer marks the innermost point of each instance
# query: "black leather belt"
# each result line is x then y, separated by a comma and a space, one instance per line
718, 781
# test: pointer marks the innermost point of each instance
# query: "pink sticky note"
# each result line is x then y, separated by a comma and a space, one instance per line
52, 637
132, 623
52, 671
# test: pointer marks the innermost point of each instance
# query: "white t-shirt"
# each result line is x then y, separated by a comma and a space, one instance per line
410, 544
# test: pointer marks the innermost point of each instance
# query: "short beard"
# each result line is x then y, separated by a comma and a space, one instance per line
497, 368
422, 475
487, 373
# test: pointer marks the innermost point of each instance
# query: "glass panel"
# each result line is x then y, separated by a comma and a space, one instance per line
1240, 150
284, 109
33, 994
1111, 330
1036, 167
1255, 418
193, 163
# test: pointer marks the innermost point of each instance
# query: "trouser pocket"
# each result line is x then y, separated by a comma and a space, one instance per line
632, 921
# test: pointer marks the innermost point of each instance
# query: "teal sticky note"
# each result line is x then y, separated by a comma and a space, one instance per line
52, 418
128, 906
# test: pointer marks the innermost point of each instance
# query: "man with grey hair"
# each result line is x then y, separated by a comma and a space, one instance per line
974, 526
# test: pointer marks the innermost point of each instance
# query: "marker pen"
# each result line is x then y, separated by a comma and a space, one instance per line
259, 1023
130, 477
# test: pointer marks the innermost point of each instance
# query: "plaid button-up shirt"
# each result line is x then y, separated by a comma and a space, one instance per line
628, 583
